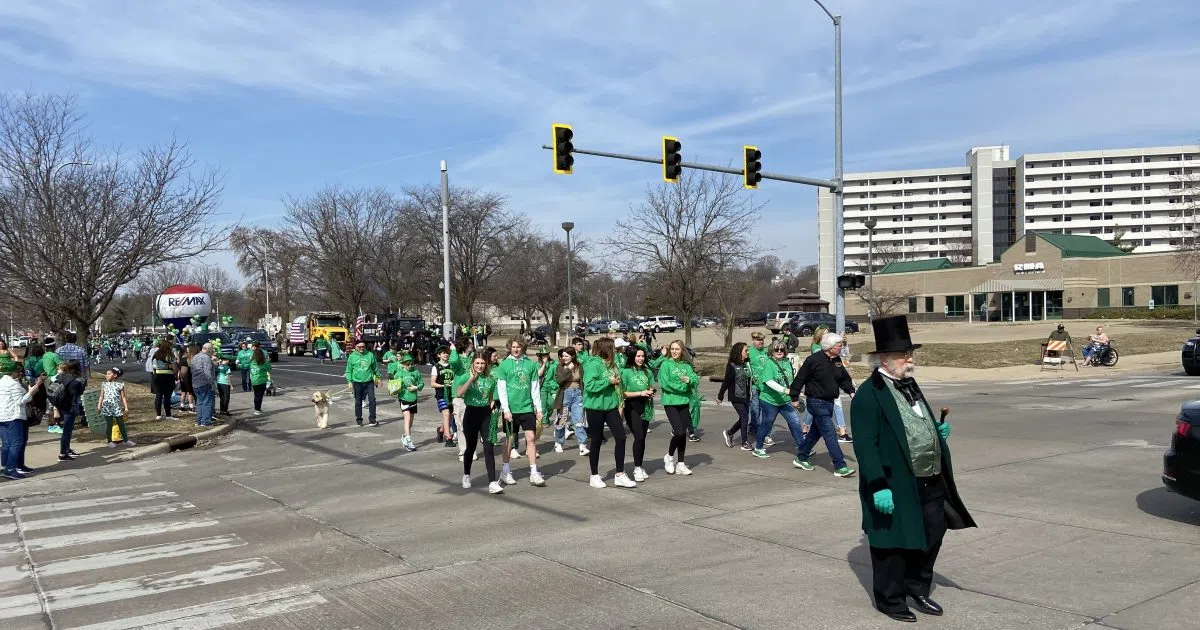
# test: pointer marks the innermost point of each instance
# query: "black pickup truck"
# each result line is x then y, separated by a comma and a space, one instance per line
756, 318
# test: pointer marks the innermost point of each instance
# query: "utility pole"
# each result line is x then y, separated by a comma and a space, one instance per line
447, 326
839, 195
870, 223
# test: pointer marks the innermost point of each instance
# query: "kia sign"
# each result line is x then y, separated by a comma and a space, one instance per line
177, 305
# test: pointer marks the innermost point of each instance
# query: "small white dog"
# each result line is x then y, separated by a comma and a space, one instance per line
320, 401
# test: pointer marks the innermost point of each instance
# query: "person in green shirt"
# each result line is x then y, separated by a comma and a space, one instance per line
477, 389
242, 361
637, 384
601, 402
362, 374
322, 347
8, 358
462, 352
546, 368
677, 380
260, 376
223, 371
406, 381
756, 358
443, 383
774, 399
519, 391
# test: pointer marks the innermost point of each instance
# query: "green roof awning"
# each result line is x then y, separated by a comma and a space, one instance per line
907, 266
1080, 245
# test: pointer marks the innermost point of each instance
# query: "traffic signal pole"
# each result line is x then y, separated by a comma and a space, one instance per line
792, 179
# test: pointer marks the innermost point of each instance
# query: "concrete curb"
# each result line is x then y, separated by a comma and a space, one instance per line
162, 448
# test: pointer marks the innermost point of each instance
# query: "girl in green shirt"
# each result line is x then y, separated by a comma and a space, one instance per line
477, 389
260, 375
601, 400
638, 385
679, 382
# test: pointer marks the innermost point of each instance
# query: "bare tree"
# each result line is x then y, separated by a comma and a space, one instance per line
1118, 240
886, 252
883, 302
959, 252
732, 289
537, 284
76, 224
483, 234
683, 236
272, 257
1187, 258
405, 268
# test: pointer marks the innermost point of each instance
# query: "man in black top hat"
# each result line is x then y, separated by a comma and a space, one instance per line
906, 484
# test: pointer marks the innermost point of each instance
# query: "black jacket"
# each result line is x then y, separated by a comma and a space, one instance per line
820, 377
729, 385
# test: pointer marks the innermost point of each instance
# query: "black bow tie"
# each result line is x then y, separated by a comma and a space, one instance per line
908, 387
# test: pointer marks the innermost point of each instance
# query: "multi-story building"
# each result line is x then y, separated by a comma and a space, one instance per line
971, 214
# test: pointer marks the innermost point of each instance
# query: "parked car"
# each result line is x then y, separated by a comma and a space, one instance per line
268, 344
776, 320
1190, 357
1181, 463
660, 323
806, 323
542, 331
754, 318
226, 347
706, 322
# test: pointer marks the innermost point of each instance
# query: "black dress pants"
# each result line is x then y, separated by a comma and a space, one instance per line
898, 573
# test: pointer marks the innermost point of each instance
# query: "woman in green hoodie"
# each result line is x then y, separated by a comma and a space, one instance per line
678, 381
406, 381
637, 383
601, 401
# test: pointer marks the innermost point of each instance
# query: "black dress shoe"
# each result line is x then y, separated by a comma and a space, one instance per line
906, 616
926, 605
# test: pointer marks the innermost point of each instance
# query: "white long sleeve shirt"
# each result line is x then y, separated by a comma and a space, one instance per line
13, 397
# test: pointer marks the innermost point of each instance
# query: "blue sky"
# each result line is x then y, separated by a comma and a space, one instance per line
285, 97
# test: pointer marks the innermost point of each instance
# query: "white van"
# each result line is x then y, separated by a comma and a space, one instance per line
777, 319
660, 323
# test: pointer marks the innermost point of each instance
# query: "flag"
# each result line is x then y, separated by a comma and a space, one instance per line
358, 325
335, 351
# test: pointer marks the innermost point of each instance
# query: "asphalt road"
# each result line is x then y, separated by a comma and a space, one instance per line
285, 526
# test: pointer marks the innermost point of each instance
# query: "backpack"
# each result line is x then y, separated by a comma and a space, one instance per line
56, 393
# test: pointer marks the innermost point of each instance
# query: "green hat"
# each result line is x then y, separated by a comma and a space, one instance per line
543, 350
407, 358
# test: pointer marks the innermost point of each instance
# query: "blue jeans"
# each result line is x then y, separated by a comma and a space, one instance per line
361, 391
573, 405
67, 422
767, 422
12, 444
839, 415
755, 412
245, 378
822, 427
204, 404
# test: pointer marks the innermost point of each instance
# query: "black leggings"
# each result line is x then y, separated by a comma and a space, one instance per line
596, 419
259, 391
743, 421
634, 410
680, 417
474, 420
164, 386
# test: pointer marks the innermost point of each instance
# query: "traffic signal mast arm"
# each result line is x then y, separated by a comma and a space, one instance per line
810, 181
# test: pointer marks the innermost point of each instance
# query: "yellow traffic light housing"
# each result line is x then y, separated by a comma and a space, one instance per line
563, 160
672, 158
752, 169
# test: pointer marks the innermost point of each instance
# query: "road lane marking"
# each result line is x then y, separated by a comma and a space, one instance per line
1164, 383
220, 613
122, 557
1111, 383
19, 606
18, 573
29, 510
103, 517
120, 533
363, 434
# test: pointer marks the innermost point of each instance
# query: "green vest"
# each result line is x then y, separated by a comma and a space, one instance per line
923, 445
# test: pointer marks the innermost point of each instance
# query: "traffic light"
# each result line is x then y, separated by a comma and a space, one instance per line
753, 167
563, 160
851, 281
672, 158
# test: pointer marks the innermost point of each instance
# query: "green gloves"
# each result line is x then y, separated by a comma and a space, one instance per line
883, 501
943, 429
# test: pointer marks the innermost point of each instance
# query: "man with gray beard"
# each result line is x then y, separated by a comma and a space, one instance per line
906, 484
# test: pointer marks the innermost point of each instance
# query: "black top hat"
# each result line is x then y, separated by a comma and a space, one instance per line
891, 335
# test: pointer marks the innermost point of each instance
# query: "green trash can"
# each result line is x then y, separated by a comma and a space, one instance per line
91, 398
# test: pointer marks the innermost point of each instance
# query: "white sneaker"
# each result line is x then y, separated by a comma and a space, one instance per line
669, 464
461, 456
466, 481
514, 454
558, 447
475, 457
158, 417
767, 441
112, 445
508, 478
258, 413
130, 443
682, 469
583, 451
639, 474
495, 488
623, 481
597, 482
536, 479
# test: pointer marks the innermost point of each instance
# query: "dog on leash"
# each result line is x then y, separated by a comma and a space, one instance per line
320, 401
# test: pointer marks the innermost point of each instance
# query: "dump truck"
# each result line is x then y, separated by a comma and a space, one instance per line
304, 331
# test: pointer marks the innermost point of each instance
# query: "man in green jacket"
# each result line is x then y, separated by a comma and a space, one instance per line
906, 483
243, 364
757, 360
362, 374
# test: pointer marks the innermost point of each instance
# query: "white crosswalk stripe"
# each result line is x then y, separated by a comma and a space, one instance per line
183, 549
1164, 383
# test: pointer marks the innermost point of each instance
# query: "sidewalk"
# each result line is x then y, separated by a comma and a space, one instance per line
1161, 362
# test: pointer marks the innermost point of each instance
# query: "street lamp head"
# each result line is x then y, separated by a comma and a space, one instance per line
568, 226
870, 223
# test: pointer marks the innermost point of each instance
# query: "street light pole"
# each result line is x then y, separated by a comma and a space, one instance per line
870, 223
568, 226
839, 192
447, 327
